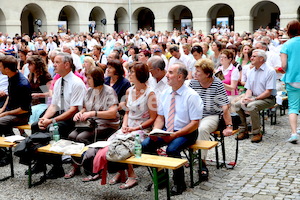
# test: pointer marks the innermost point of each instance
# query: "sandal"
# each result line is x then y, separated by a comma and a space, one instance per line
74, 171
91, 178
204, 172
117, 179
130, 183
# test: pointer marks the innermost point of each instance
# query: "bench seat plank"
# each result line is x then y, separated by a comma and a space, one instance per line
156, 161
6, 144
46, 149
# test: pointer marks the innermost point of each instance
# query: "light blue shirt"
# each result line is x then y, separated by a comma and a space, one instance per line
3, 83
292, 49
188, 106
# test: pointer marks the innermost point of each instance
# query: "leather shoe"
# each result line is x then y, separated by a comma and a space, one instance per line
242, 135
55, 172
178, 189
256, 138
37, 168
4, 161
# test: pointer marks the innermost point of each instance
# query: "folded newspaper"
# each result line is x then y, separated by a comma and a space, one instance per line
99, 144
67, 147
14, 138
159, 133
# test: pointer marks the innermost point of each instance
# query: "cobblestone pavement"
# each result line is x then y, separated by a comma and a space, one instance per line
267, 170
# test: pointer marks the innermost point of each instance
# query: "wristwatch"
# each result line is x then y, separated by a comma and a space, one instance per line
53, 121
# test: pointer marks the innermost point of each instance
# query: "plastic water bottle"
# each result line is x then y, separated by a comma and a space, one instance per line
56, 135
137, 146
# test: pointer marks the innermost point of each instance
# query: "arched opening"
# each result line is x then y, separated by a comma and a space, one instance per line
68, 20
33, 19
298, 12
2, 22
97, 17
265, 14
145, 18
181, 16
221, 15
121, 20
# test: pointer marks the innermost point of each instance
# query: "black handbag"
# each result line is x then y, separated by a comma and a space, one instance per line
236, 121
88, 124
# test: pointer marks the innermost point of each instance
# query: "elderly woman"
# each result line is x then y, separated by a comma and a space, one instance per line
101, 104
216, 103
290, 58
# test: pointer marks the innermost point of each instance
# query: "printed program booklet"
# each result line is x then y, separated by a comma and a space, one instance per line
159, 133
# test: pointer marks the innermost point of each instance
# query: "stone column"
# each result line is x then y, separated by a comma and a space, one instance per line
12, 27
286, 18
243, 23
202, 24
162, 25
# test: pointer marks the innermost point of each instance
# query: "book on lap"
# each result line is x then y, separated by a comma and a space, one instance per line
159, 133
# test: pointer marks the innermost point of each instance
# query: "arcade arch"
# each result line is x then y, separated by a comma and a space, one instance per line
145, 18
221, 15
2, 22
97, 14
121, 20
264, 14
68, 19
181, 17
31, 13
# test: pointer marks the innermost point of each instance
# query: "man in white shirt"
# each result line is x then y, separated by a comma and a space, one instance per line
178, 57
260, 94
180, 109
158, 81
69, 92
76, 59
51, 45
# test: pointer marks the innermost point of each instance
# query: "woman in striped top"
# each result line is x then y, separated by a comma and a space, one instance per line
216, 103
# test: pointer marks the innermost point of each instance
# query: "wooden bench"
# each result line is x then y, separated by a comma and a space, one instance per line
198, 146
156, 163
218, 136
8, 145
46, 149
24, 127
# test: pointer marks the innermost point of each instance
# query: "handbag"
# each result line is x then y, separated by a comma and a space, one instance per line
121, 148
88, 124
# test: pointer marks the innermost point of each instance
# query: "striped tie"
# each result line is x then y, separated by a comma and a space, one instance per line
171, 116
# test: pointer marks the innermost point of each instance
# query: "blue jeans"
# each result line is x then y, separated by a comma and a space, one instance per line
173, 150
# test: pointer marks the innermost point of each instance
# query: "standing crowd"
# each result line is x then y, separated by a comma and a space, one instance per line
181, 81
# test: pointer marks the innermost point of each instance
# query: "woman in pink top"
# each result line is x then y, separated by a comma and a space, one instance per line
230, 73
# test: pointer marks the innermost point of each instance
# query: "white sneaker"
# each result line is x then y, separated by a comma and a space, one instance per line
293, 139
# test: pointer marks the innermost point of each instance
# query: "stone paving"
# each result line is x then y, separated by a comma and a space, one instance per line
267, 170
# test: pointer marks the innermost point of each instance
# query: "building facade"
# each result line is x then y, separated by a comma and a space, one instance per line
28, 16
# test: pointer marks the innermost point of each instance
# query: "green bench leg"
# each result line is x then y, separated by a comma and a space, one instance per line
155, 182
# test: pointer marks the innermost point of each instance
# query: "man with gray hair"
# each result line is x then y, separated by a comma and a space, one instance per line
260, 94
68, 94
179, 111
67, 48
158, 81
179, 57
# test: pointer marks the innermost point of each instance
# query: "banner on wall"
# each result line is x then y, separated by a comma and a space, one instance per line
222, 21
62, 26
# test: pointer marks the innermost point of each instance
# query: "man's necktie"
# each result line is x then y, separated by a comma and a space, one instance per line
62, 96
171, 116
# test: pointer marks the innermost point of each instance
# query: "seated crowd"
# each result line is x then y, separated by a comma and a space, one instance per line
132, 83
